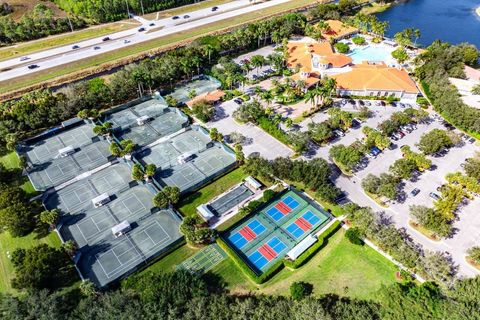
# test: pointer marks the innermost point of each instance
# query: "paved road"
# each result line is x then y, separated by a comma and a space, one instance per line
65, 54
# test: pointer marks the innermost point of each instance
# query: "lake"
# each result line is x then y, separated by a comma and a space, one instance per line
454, 21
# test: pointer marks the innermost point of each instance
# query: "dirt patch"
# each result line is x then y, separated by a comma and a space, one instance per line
20, 7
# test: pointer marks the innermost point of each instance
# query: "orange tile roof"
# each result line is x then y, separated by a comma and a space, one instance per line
210, 97
338, 30
375, 77
301, 53
309, 81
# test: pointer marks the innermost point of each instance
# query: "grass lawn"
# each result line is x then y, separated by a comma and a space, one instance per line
340, 268
11, 161
9, 244
64, 39
166, 41
168, 262
185, 9
189, 204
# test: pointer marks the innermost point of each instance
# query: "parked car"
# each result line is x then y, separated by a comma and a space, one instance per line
238, 101
355, 123
434, 196
471, 140
33, 66
375, 151
339, 133
415, 191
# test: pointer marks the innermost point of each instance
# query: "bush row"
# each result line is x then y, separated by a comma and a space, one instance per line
310, 252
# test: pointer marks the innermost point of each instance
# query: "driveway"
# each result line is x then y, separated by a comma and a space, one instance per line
258, 141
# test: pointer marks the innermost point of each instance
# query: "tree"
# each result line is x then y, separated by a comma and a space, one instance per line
128, 146
472, 168
403, 168
474, 254
434, 141
17, 214
440, 268
257, 61
358, 40
400, 55
237, 138
115, 149
88, 289
41, 267
161, 200
341, 47
172, 194
354, 236
215, 135
196, 232
50, 217
150, 170
320, 132
239, 155
137, 172
348, 156
431, 220
171, 101
476, 89
203, 111
300, 290
70, 247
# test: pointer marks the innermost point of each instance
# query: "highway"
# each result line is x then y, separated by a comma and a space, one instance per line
66, 54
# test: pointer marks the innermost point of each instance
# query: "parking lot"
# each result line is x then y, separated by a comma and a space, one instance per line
257, 140
467, 224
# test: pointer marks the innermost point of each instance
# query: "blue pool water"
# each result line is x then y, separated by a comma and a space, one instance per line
369, 53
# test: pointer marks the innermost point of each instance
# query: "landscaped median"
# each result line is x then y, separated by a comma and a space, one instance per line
102, 63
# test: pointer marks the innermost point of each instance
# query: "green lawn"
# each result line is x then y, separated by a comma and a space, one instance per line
189, 204
168, 262
340, 268
8, 244
11, 161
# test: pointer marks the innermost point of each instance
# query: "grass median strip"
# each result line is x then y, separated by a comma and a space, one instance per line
131, 51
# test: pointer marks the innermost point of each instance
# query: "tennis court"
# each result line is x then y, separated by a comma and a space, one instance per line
265, 237
105, 258
160, 121
230, 200
201, 85
56, 171
204, 260
47, 149
206, 159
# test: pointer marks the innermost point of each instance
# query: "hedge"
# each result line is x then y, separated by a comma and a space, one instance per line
258, 279
310, 252
271, 128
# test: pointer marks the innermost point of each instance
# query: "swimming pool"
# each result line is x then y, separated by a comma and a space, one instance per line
369, 53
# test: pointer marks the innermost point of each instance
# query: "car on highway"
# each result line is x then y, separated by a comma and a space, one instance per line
33, 66
106, 39
75, 47
152, 24
24, 58
141, 29
175, 17
214, 8
96, 48
414, 192
126, 41
186, 16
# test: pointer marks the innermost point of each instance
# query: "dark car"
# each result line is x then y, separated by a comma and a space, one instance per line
415, 191
75, 47
186, 16
141, 29
106, 39
471, 140
434, 196
175, 17
151, 24
355, 123
96, 48
238, 101
33, 66
214, 8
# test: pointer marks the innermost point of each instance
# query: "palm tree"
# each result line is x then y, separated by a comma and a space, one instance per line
311, 97
267, 96
417, 35
257, 61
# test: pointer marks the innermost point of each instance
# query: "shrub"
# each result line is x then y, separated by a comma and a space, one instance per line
203, 111
358, 40
196, 232
300, 290
354, 236
268, 195
341, 47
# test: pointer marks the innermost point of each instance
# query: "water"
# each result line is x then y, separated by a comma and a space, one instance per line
454, 21
369, 54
